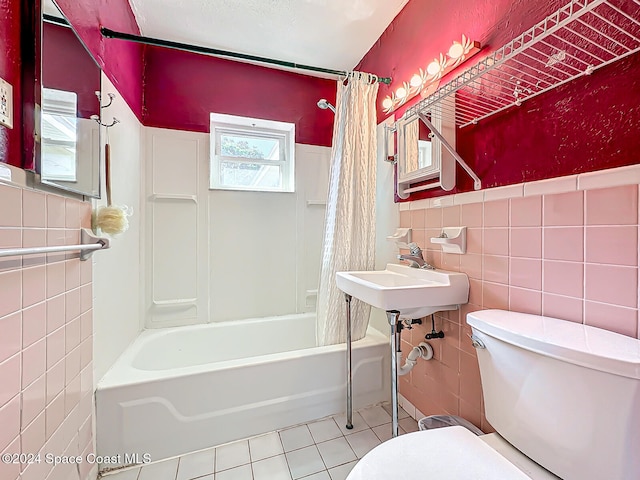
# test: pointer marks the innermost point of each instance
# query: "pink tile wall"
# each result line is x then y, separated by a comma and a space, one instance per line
46, 338
573, 256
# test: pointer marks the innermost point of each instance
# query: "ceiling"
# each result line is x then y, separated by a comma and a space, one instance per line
333, 34
50, 8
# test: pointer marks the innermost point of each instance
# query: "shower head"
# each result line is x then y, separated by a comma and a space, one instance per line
324, 104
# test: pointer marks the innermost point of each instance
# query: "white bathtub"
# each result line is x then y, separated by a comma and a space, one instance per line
178, 390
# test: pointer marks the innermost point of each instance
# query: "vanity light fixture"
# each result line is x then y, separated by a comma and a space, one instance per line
421, 81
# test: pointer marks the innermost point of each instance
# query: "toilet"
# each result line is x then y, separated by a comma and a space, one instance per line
563, 397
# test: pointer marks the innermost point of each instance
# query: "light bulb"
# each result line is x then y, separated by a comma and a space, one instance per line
387, 103
401, 92
416, 80
433, 68
456, 50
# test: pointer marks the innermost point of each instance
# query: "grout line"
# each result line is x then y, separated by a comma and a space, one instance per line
251, 462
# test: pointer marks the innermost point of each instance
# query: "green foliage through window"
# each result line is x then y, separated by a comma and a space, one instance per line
240, 148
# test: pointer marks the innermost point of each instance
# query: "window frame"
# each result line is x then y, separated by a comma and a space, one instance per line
283, 132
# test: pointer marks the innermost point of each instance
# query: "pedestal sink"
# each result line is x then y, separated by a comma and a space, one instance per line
403, 292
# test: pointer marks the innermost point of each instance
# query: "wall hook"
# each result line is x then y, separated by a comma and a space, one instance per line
97, 119
111, 97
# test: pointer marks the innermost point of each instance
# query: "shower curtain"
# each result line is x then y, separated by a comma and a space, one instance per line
349, 234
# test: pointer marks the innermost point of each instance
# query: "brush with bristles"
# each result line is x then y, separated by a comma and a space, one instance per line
111, 219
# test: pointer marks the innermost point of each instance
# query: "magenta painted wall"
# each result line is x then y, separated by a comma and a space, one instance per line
181, 90
11, 139
589, 124
176, 90
66, 65
121, 61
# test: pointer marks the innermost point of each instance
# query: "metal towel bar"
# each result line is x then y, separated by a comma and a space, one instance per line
89, 243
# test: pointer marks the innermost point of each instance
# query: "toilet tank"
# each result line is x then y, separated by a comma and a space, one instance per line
567, 395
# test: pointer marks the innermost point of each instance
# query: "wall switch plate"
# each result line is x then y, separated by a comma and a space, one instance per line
6, 104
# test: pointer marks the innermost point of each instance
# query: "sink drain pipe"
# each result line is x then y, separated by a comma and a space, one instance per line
423, 350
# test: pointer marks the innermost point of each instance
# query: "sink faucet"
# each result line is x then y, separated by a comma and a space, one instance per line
415, 258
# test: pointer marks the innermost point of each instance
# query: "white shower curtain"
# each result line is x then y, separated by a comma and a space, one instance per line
349, 234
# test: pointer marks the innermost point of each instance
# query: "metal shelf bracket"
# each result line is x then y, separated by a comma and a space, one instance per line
477, 184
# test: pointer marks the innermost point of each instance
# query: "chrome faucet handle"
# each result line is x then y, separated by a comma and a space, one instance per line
415, 250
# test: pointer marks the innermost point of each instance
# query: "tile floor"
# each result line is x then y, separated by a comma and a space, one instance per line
320, 450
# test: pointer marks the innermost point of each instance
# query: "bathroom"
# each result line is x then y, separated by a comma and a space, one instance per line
552, 230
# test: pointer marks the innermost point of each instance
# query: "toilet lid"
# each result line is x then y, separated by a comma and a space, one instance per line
450, 453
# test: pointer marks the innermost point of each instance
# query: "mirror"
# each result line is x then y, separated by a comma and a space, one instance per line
69, 148
415, 153
422, 155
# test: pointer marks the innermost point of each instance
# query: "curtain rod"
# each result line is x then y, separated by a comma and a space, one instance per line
108, 33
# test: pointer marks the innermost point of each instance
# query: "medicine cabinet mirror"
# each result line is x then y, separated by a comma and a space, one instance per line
421, 155
69, 139
415, 155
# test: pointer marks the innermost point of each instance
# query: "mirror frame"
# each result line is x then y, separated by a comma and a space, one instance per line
30, 45
443, 168
421, 174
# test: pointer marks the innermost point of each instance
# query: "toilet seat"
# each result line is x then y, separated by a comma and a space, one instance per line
450, 453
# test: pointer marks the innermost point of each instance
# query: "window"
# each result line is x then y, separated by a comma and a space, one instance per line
251, 154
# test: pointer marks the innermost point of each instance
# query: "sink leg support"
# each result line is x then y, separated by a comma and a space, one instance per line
393, 316
349, 424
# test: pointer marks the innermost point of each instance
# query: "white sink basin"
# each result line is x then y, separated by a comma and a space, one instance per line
414, 292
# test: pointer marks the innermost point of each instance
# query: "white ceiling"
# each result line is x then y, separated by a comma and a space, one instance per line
50, 8
332, 34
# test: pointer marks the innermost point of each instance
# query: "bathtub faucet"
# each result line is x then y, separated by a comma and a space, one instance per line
415, 258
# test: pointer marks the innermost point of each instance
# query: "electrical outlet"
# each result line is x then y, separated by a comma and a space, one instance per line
6, 104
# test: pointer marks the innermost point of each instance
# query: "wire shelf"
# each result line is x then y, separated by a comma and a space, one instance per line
576, 40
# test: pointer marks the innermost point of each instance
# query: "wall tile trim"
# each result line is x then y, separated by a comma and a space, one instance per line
613, 177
